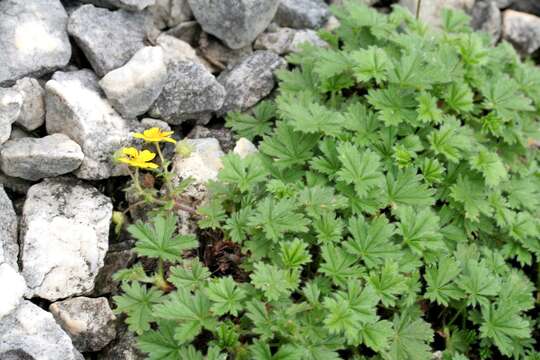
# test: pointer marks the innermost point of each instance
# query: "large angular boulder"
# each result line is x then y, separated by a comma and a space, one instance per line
249, 81
302, 14
77, 107
108, 38
486, 17
64, 238
11, 103
134, 87
37, 158
13, 288
33, 38
522, 30
191, 93
32, 114
30, 333
9, 249
236, 22
89, 322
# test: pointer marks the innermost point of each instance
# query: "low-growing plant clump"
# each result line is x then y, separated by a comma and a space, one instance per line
392, 210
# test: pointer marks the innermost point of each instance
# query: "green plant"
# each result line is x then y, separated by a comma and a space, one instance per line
393, 209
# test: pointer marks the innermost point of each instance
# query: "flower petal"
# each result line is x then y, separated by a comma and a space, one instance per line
130, 151
146, 155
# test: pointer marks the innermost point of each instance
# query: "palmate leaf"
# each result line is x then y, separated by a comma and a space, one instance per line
410, 339
277, 217
428, 109
137, 302
441, 281
478, 283
360, 168
395, 105
451, 140
244, 173
226, 296
338, 265
191, 275
257, 124
261, 351
371, 63
503, 96
372, 242
273, 282
406, 188
388, 283
503, 325
160, 344
158, 240
459, 97
288, 147
490, 166
212, 214
470, 193
420, 229
294, 254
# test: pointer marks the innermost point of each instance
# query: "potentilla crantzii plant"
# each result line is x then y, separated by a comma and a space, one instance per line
393, 209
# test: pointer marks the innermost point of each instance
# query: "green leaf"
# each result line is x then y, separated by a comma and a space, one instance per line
490, 166
338, 265
294, 254
191, 275
160, 344
137, 302
237, 224
407, 189
226, 295
502, 95
271, 280
420, 229
410, 339
362, 169
470, 193
261, 351
459, 97
372, 242
251, 126
158, 240
371, 63
212, 214
377, 335
451, 140
388, 283
244, 173
441, 281
289, 147
504, 326
394, 104
478, 283
428, 109
277, 218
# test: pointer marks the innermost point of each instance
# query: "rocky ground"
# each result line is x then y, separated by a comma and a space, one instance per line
78, 78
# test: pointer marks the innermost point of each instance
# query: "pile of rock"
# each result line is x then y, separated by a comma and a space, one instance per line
77, 78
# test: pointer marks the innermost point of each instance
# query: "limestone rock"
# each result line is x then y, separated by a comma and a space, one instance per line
38, 158
249, 81
11, 103
134, 87
64, 238
169, 13
522, 30
486, 17
191, 93
114, 261
286, 40
17, 185
236, 22
302, 14
223, 135
178, 50
30, 333
33, 38
188, 31
108, 38
32, 113
89, 322
77, 107
244, 147
431, 11
13, 288
9, 249
219, 55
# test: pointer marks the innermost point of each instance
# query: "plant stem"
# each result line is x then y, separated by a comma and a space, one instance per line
165, 170
418, 6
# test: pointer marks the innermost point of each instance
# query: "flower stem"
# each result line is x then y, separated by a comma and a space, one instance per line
165, 170
418, 6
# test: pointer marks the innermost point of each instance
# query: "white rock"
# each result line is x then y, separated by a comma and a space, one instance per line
522, 30
30, 333
38, 158
32, 113
89, 322
77, 107
178, 50
287, 40
244, 147
11, 103
64, 238
431, 11
9, 249
13, 288
134, 87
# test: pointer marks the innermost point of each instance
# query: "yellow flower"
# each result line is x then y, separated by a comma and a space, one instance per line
155, 135
136, 158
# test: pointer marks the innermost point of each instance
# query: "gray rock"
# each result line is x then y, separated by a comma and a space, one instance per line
64, 238
486, 17
178, 50
16, 185
169, 13
286, 40
191, 93
219, 55
302, 14
32, 113
431, 11
30, 333
18, 133
77, 107
114, 261
522, 30
89, 322
236, 22
108, 38
528, 6
501, 4
365, 2
223, 135
38, 158
9, 249
132, 5
124, 348
13, 288
33, 38
11, 103
134, 87
188, 31
250, 81
244, 148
